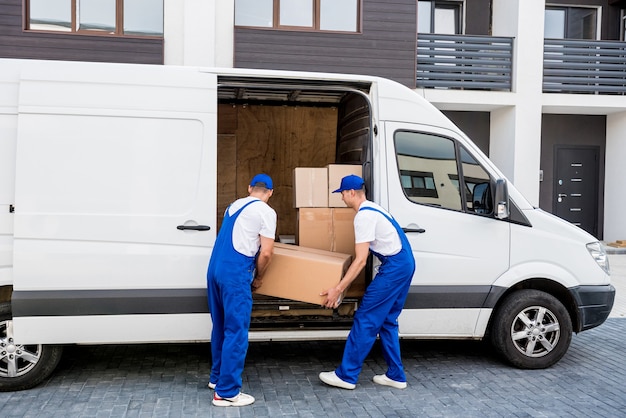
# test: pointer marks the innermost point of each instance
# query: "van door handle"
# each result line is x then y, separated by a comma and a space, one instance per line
418, 230
193, 227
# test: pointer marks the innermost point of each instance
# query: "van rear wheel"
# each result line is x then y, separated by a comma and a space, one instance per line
23, 366
531, 329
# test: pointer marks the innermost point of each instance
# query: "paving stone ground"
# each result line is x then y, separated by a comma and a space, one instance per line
446, 379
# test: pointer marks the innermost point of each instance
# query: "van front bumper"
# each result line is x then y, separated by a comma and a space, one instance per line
594, 304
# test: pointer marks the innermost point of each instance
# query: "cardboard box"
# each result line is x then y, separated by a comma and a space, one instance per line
301, 274
330, 229
335, 173
310, 187
315, 228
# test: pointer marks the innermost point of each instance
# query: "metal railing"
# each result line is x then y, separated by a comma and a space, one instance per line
464, 62
583, 66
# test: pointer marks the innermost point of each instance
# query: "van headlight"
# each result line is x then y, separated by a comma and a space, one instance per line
599, 254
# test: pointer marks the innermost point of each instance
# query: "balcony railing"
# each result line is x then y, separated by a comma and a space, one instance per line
464, 62
583, 66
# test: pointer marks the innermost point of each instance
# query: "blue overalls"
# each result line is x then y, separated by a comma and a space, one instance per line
378, 313
229, 279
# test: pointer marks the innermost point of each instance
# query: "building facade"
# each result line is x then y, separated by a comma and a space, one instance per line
539, 85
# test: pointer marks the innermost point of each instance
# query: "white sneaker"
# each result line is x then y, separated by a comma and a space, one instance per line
212, 385
330, 378
240, 400
382, 379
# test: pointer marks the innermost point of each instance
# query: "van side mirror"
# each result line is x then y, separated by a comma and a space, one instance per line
501, 199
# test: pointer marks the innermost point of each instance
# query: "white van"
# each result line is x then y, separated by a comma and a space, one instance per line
113, 180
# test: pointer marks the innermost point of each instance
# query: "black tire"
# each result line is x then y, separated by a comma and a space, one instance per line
23, 366
531, 329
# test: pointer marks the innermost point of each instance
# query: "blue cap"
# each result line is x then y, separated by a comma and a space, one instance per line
350, 182
262, 180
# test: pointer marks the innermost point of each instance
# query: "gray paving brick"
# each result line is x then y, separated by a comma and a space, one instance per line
446, 379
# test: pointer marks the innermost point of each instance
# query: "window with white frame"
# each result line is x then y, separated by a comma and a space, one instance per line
313, 15
96, 17
438, 16
571, 22
623, 29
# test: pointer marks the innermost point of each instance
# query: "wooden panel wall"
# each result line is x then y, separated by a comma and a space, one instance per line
273, 140
18, 43
386, 47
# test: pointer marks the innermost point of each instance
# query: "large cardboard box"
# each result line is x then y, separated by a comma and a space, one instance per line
335, 173
310, 187
330, 229
301, 274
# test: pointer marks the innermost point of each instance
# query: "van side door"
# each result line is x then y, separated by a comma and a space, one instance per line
442, 195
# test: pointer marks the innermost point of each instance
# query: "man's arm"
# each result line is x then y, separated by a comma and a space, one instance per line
263, 260
360, 259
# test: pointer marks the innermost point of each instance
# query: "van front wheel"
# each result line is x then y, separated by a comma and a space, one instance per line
23, 366
531, 329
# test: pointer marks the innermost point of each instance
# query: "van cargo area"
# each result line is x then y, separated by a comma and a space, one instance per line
275, 126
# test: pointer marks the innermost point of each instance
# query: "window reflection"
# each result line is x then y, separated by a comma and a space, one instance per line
254, 13
143, 17
339, 15
132, 17
427, 166
296, 13
51, 15
429, 173
96, 15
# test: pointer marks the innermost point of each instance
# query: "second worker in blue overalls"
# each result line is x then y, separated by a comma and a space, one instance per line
375, 230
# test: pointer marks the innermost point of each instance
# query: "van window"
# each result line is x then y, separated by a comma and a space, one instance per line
428, 169
429, 173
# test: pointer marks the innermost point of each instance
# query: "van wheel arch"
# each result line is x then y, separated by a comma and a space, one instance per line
23, 366
531, 329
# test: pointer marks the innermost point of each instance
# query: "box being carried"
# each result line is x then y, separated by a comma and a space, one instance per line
301, 274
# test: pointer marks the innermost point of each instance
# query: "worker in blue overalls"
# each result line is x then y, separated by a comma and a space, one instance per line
243, 250
375, 230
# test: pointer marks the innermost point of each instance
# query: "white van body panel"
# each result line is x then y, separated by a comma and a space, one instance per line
128, 153
8, 141
552, 249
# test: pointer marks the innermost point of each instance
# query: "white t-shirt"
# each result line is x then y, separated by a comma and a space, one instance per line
373, 227
257, 219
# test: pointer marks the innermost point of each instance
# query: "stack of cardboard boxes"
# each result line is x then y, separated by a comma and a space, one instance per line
325, 238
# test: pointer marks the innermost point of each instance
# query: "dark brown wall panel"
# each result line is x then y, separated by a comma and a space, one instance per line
476, 126
17, 43
386, 47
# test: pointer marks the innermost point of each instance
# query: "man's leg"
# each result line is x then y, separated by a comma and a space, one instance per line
217, 334
389, 338
368, 319
237, 299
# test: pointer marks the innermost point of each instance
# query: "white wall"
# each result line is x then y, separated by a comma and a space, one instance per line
515, 143
199, 32
614, 189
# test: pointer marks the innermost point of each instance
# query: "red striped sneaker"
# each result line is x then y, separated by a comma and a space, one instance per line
240, 400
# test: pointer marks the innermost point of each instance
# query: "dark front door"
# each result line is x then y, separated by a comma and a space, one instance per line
576, 186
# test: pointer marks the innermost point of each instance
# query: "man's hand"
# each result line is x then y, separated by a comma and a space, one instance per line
333, 298
256, 283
